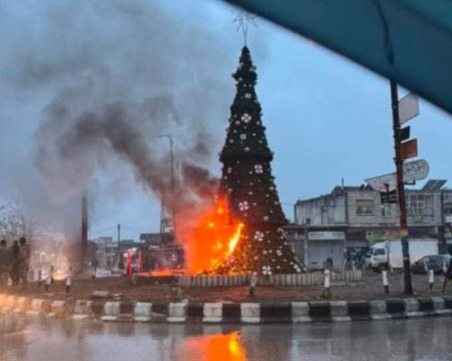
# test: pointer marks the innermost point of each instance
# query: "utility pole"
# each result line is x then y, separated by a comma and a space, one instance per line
173, 182
84, 231
120, 265
162, 210
401, 188
306, 242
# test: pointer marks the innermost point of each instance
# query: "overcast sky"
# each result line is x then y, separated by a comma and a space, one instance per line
326, 117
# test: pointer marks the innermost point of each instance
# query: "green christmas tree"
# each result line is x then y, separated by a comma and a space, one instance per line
250, 187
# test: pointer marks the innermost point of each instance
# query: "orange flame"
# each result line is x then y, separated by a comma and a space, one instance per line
162, 272
211, 239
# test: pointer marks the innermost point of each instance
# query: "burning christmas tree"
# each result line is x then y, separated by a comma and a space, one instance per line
249, 185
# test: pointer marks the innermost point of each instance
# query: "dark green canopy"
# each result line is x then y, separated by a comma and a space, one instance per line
409, 41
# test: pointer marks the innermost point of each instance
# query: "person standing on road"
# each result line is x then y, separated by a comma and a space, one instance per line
24, 262
6, 261
14, 273
94, 266
448, 274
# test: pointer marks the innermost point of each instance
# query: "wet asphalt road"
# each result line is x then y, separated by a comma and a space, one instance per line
52, 340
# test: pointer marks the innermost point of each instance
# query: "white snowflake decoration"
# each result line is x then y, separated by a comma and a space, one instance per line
248, 95
243, 136
244, 206
246, 118
267, 270
258, 169
265, 218
229, 170
259, 236
279, 252
247, 149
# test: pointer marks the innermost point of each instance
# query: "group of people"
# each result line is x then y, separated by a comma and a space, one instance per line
14, 263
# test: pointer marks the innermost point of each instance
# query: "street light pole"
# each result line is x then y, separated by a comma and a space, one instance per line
173, 182
401, 188
120, 265
307, 222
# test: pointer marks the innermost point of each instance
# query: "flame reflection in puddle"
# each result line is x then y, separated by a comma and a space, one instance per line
212, 348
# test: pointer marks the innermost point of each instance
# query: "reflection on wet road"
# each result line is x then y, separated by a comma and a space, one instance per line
23, 339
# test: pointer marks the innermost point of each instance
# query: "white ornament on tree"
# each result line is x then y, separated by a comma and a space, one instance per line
266, 270
244, 206
246, 118
259, 236
258, 169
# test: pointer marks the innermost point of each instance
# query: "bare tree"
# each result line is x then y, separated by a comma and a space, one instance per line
15, 223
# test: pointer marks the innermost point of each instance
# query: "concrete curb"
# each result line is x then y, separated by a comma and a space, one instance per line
215, 312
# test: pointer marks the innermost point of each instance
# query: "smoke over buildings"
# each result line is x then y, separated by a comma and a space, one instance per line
88, 86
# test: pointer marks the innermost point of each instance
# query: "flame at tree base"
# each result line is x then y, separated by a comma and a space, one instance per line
212, 240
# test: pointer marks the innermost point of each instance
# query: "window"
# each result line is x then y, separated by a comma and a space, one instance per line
379, 252
447, 208
364, 207
388, 210
416, 205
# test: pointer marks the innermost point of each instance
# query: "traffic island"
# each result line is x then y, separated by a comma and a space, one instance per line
208, 300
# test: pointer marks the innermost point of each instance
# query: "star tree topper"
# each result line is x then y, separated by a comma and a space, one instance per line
243, 20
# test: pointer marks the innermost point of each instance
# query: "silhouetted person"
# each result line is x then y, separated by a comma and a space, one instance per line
94, 266
24, 262
6, 261
448, 274
14, 273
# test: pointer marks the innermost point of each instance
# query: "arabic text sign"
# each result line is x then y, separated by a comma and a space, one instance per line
412, 171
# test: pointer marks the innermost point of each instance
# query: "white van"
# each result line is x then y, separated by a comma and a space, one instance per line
388, 254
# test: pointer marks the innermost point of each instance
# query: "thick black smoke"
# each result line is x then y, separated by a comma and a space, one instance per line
100, 80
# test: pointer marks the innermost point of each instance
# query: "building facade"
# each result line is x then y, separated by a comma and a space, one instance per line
349, 220
107, 251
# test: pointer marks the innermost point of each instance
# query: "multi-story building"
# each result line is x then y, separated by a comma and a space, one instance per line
351, 219
107, 251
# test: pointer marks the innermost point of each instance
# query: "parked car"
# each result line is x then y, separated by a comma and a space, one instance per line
434, 262
388, 254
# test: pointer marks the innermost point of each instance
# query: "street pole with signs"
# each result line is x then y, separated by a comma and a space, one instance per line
402, 151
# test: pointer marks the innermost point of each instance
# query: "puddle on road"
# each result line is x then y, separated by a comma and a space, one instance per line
212, 347
37, 339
